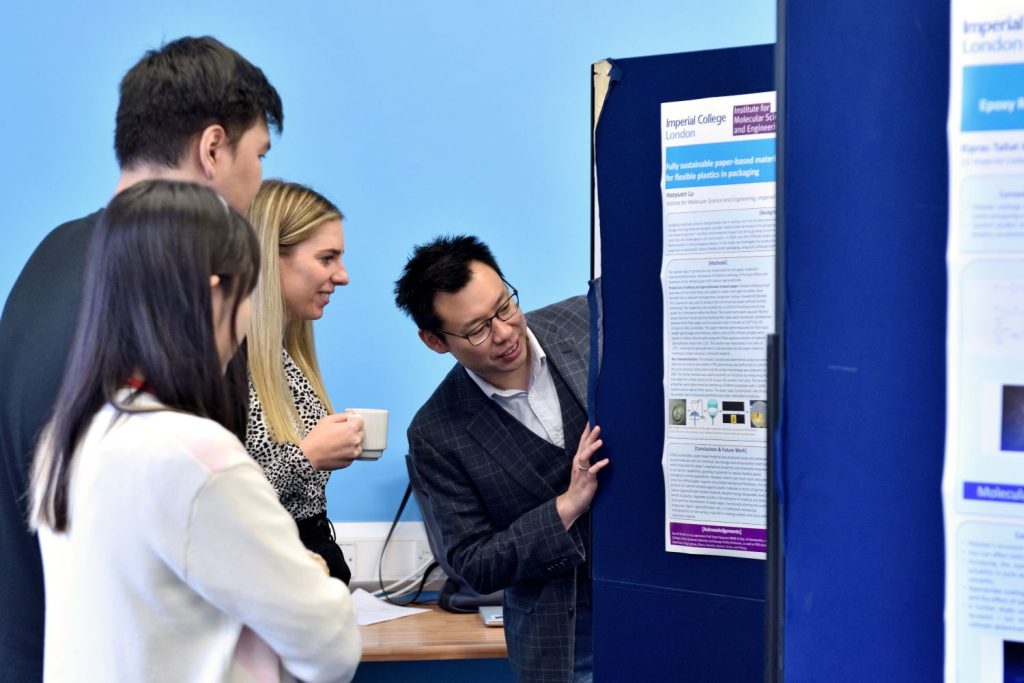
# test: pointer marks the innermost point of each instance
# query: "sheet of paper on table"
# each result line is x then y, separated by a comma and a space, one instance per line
370, 610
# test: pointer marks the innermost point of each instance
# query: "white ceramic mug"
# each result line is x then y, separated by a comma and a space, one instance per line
375, 431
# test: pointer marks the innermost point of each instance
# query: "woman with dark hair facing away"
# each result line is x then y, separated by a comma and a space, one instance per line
293, 432
166, 554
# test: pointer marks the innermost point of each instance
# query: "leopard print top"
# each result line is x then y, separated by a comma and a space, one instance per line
301, 488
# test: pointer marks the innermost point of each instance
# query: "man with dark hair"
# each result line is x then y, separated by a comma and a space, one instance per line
193, 110
504, 450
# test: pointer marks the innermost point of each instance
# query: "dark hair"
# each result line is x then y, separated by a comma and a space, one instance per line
441, 265
172, 94
147, 311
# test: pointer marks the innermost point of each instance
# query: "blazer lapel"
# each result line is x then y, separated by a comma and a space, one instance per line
566, 355
570, 353
497, 441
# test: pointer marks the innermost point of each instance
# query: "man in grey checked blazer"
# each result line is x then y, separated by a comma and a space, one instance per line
504, 450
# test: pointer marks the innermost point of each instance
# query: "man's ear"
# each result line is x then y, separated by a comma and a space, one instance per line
213, 145
433, 342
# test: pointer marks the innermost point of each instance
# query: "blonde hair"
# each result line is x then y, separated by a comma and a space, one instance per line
283, 214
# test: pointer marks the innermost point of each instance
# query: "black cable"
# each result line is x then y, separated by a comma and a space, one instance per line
380, 566
419, 590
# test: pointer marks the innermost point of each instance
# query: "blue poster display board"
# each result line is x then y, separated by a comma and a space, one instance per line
853, 586
658, 616
862, 295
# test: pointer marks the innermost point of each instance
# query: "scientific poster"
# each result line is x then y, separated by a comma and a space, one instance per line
983, 478
718, 284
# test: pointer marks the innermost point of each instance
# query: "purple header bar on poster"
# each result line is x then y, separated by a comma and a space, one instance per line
1000, 493
753, 119
718, 536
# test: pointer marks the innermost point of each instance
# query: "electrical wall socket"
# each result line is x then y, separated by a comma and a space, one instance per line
408, 553
349, 551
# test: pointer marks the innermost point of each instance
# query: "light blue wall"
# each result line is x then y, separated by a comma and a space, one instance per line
416, 117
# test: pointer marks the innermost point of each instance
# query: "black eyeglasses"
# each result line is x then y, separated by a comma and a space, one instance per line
479, 334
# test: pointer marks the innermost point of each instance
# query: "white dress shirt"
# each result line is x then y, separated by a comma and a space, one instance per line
537, 408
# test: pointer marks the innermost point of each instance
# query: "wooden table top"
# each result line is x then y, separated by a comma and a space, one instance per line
432, 635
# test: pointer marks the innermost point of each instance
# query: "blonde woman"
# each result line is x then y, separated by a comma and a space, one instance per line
293, 432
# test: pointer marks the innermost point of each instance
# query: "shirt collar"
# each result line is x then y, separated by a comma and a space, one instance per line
538, 362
